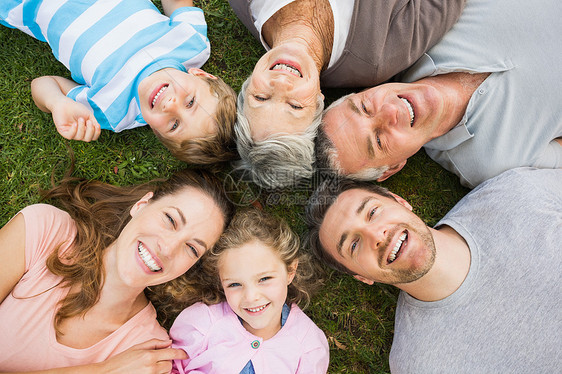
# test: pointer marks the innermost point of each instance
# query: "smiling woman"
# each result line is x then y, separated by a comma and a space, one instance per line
77, 282
256, 278
344, 43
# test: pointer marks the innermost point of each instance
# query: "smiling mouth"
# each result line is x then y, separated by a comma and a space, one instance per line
147, 258
258, 309
290, 68
410, 110
395, 253
153, 102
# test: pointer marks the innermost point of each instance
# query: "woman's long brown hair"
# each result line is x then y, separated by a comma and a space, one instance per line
100, 212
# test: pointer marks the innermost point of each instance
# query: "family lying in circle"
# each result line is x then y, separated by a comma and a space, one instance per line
82, 282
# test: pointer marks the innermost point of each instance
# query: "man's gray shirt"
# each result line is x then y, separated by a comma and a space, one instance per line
506, 317
515, 114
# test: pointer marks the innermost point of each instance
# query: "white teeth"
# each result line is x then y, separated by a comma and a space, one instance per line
401, 239
410, 110
254, 310
290, 69
147, 258
158, 94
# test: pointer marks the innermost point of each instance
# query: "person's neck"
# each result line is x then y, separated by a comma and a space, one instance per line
307, 22
458, 88
452, 262
117, 299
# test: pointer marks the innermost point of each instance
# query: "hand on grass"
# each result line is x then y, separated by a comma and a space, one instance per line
74, 121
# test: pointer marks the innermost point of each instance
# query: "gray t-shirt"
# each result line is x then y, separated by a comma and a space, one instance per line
506, 317
513, 117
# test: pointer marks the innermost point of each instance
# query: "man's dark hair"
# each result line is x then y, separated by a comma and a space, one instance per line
320, 201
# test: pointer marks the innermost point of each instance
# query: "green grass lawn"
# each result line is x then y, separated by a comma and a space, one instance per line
357, 319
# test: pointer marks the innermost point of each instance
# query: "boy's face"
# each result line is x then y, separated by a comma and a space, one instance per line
177, 105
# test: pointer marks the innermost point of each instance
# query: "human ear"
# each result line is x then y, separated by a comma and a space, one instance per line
401, 201
364, 280
141, 203
391, 171
292, 270
200, 73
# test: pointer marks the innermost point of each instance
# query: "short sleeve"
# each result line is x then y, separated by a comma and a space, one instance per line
46, 228
189, 331
316, 358
193, 16
551, 157
80, 95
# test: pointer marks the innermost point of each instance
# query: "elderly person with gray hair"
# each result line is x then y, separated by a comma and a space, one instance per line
344, 43
483, 100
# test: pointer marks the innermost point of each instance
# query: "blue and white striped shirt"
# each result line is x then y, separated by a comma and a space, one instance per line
109, 46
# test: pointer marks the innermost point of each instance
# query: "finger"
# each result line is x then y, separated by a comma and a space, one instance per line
164, 367
80, 130
68, 131
97, 130
171, 354
89, 131
153, 344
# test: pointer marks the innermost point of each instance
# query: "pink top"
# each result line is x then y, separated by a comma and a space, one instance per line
26, 321
216, 342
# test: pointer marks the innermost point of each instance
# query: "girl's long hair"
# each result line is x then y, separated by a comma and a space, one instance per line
100, 212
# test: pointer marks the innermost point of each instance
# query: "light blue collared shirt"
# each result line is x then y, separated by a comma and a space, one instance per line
514, 115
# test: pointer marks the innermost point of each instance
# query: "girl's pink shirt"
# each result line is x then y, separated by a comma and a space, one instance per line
217, 343
26, 321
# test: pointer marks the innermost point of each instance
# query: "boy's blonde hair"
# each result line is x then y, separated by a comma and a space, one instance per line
253, 224
217, 148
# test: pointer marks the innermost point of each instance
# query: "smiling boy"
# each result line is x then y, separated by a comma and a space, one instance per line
131, 66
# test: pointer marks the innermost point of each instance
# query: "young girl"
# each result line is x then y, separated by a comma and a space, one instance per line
249, 321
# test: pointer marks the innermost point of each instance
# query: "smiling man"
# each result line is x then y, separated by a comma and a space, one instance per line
309, 43
480, 290
485, 99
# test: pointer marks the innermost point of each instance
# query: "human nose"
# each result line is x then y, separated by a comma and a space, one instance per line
169, 244
171, 104
385, 118
376, 234
281, 81
251, 293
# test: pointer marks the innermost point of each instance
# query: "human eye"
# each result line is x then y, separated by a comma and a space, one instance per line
364, 108
190, 104
193, 250
378, 140
174, 125
259, 98
295, 106
263, 279
353, 246
371, 213
233, 284
171, 219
